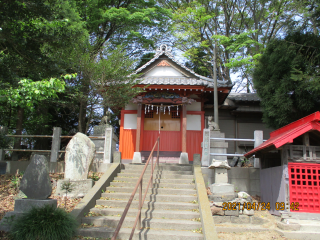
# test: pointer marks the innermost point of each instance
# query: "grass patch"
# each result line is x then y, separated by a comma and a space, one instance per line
48, 223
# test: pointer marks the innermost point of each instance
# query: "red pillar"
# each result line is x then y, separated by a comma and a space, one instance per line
138, 128
184, 128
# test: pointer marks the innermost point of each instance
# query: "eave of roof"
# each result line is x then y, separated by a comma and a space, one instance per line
289, 132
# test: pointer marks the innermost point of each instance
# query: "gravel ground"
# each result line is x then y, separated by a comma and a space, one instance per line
263, 235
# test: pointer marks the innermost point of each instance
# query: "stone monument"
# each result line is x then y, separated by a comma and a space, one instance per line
36, 185
221, 189
107, 146
78, 159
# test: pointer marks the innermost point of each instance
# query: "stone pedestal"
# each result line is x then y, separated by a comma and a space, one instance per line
218, 146
184, 158
137, 157
221, 175
117, 157
21, 206
196, 159
79, 188
99, 131
213, 146
26, 204
107, 146
206, 148
222, 189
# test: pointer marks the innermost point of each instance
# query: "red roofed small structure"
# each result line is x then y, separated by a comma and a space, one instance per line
290, 168
288, 133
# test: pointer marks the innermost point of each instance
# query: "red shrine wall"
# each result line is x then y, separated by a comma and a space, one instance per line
127, 141
170, 140
194, 137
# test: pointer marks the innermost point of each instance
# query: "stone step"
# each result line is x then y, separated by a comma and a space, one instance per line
168, 224
152, 197
169, 167
165, 176
308, 225
148, 204
155, 185
156, 180
166, 191
161, 172
147, 213
144, 234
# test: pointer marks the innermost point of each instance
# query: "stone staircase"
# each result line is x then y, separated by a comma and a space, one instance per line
170, 211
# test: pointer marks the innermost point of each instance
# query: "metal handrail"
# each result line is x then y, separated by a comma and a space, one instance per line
234, 139
141, 201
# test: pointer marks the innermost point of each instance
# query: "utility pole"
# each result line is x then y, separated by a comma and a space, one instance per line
215, 90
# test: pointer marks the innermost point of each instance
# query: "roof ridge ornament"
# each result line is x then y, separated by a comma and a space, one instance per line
164, 48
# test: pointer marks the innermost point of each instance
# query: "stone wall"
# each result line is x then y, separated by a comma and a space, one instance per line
243, 179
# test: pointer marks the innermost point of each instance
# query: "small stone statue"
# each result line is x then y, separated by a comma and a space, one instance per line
105, 119
213, 126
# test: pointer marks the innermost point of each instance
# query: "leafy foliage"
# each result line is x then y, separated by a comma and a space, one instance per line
29, 92
240, 29
44, 223
115, 76
287, 78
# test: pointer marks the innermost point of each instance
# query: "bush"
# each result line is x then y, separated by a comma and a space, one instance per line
46, 223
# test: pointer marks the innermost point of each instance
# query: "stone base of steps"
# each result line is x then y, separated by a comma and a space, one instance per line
144, 234
148, 213
168, 224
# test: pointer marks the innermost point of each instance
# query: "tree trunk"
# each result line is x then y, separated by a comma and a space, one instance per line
82, 116
17, 142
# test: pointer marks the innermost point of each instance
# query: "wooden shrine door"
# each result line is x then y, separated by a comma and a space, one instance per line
170, 130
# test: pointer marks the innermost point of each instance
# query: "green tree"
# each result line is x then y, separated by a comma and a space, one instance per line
132, 24
241, 30
287, 78
36, 38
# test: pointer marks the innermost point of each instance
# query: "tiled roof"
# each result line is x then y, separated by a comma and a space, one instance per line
202, 81
244, 97
179, 81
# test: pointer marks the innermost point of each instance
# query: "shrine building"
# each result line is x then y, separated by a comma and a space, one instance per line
171, 107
